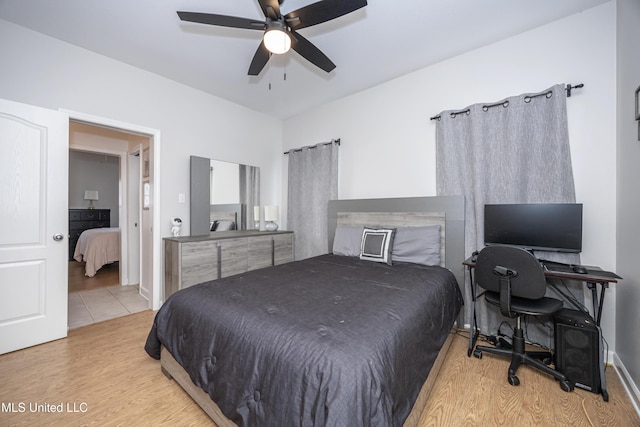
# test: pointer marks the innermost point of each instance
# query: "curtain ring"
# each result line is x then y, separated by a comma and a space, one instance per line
527, 99
549, 94
485, 108
505, 104
455, 113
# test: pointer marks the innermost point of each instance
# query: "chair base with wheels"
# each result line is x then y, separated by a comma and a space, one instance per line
536, 359
515, 282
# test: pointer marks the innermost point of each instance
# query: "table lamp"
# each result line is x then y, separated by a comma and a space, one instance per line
270, 216
91, 195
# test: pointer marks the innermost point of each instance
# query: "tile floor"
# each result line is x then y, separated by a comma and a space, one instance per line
97, 305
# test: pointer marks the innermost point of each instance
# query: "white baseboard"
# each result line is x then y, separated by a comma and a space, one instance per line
632, 389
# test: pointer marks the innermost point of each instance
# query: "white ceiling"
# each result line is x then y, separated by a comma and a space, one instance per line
384, 40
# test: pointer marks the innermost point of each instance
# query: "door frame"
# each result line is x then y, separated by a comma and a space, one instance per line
123, 208
134, 213
155, 298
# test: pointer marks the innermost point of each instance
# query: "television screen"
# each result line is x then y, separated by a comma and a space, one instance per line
548, 227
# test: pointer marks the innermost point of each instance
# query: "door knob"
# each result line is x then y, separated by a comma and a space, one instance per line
57, 237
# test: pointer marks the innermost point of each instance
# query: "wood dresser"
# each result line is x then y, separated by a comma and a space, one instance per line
84, 219
191, 260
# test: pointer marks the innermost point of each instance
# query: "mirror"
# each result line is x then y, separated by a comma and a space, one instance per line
222, 191
224, 178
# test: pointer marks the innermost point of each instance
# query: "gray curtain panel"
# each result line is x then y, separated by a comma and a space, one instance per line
249, 195
513, 151
313, 181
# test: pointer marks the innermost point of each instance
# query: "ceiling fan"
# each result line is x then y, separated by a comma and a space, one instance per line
280, 30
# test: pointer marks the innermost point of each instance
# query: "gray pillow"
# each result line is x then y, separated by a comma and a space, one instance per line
225, 225
347, 240
377, 244
419, 245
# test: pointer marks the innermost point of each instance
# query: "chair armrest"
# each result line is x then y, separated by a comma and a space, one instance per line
504, 271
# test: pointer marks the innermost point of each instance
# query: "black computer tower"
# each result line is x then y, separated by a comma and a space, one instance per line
578, 349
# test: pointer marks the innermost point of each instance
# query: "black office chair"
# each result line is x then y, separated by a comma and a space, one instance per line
514, 281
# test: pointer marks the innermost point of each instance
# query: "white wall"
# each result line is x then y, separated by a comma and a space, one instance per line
628, 209
388, 141
46, 72
225, 188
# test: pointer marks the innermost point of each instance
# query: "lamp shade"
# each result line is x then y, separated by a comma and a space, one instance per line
270, 213
91, 195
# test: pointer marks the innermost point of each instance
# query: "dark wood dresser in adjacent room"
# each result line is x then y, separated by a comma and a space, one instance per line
84, 219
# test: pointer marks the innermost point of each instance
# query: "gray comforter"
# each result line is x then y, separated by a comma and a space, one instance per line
327, 341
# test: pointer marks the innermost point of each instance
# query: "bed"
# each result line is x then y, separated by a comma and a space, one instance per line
357, 342
97, 247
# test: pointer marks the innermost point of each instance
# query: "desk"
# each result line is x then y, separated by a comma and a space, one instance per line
594, 278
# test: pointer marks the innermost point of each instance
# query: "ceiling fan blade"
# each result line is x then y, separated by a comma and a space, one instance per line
259, 60
311, 53
222, 20
270, 8
322, 11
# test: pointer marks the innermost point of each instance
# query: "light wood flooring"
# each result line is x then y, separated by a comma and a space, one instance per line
103, 372
108, 275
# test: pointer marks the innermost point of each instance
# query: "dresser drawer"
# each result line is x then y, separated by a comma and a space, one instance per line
260, 252
199, 263
192, 260
233, 254
283, 249
74, 233
90, 215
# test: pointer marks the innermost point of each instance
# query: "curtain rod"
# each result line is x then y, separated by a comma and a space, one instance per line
505, 104
333, 141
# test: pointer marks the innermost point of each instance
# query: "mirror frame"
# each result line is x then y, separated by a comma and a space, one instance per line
200, 199
200, 196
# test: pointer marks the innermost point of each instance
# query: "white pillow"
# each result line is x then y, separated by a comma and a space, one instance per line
377, 244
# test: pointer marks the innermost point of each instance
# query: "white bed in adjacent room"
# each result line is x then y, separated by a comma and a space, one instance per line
97, 247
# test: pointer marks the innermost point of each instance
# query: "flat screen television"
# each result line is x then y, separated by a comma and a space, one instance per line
544, 226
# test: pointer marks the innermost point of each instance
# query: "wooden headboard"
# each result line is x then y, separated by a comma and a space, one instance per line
220, 216
230, 212
397, 219
448, 211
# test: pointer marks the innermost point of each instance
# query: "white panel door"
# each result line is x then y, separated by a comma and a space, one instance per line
33, 225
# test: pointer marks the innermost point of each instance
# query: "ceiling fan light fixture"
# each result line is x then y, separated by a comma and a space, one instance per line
276, 39
280, 31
